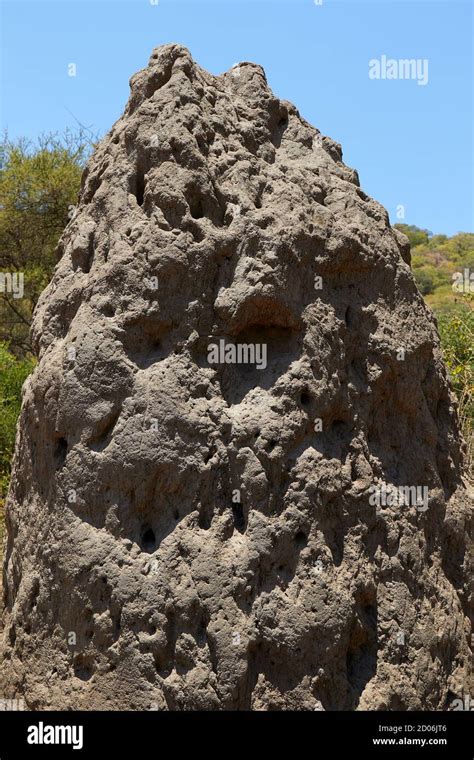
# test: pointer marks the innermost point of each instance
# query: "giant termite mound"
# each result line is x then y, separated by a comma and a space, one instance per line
187, 533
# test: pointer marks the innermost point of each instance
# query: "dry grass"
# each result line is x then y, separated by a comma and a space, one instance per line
2, 534
465, 419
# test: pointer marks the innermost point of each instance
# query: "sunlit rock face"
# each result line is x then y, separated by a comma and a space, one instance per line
237, 481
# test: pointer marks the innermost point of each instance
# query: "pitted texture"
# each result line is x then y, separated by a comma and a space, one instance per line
186, 536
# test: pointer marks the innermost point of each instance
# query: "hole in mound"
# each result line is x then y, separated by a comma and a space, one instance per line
301, 538
137, 181
83, 668
60, 452
148, 540
143, 341
195, 231
140, 187
263, 223
239, 517
196, 208
205, 201
305, 398
280, 129
205, 518
108, 310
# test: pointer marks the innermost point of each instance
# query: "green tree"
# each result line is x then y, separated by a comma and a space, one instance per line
424, 280
415, 235
38, 185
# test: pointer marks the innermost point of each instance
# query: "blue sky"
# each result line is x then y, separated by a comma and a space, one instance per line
412, 144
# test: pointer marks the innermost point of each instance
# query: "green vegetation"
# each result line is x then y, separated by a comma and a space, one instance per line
439, 263
38, 186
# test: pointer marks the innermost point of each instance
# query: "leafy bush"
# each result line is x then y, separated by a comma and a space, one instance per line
13, 373
456, 330
424, 280
39, 183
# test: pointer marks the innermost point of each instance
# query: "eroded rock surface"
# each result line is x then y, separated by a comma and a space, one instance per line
187, 535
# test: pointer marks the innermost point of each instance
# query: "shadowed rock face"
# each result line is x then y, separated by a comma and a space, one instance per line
185, 534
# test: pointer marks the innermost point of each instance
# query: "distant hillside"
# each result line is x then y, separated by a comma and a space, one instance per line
435, 259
